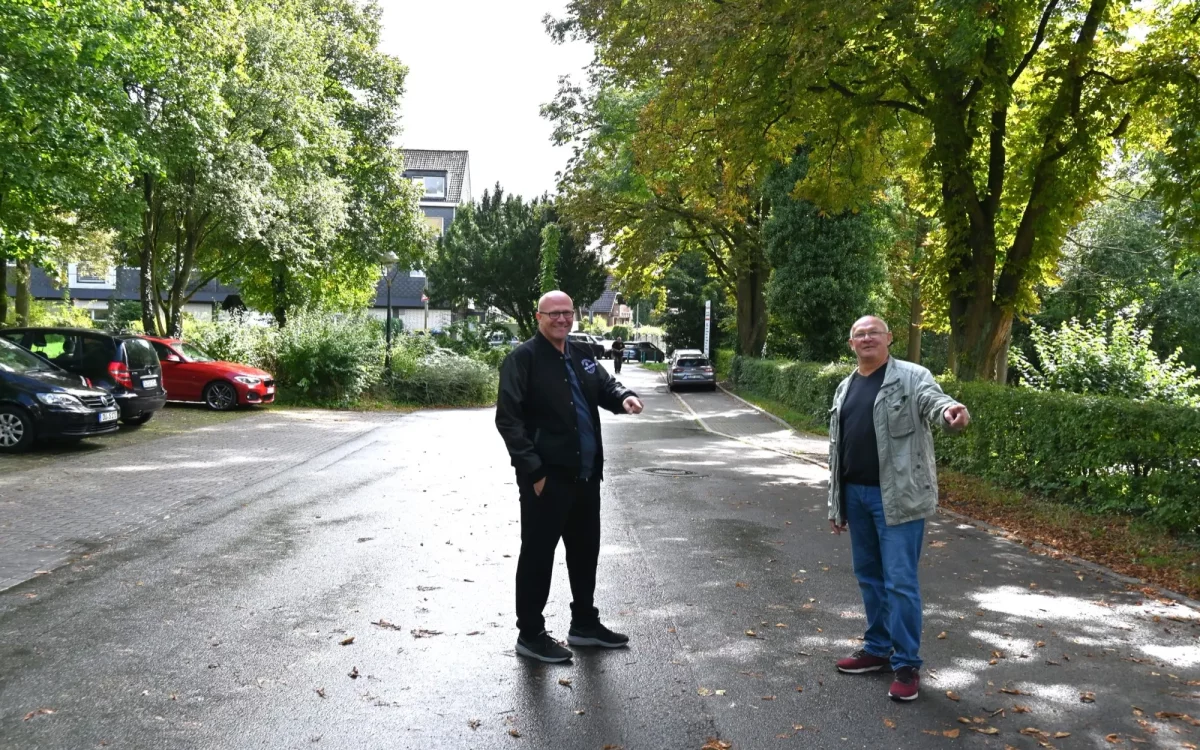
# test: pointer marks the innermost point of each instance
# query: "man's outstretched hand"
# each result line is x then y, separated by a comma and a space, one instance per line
957, 416
633, 405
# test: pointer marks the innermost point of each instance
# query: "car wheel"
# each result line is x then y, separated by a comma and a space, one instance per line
220, 396
140, 419
16, 430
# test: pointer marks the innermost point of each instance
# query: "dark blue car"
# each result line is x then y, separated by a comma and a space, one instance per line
39, 400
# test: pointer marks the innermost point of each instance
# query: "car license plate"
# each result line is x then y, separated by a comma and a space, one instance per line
149, 382
108, 416
270, 389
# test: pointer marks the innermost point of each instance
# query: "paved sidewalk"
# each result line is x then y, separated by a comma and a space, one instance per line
729, 416
53, 513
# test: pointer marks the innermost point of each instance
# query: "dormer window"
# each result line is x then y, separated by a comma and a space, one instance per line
432, 186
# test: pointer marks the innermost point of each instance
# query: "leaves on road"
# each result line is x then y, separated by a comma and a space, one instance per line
514, 733
423, 633
565, 682
474, 723
942, 635
715, 744
1088, 697
953, 695
381, 623
1165, 715
346, 641
353, 674
889, 723
320, 692
38, 712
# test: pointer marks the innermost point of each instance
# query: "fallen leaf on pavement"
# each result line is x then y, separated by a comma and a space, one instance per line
705, 692
386, 624
768, 697
1177, 715
1040, 644
1061, 735
951, 733
742, 585
751, 633
1088, 697
475, 632
942, 635
799, 689
1013, 691
565, 682
346, 641
718, 692
423, 633
513, 733
715, 744
613, 747
780, 625
353, 674
1019, 709
38, 712
474, 723
953, 695
1114, 739
985, 730
320, 692
580, 712
889, 723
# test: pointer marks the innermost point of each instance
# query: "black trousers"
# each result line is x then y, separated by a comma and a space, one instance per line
618, 360
567, 510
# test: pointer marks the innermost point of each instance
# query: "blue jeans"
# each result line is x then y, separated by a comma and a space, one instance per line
885, 563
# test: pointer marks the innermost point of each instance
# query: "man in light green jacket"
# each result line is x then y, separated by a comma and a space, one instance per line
883, 485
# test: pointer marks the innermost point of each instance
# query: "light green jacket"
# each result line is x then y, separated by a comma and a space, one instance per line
909, 402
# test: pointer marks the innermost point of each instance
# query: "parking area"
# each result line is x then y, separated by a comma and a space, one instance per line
175, 419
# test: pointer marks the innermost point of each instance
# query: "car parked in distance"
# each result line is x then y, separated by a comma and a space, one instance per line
41, 401
587, 342
124, 365
498, 339
190, 374
690, 368
635, 350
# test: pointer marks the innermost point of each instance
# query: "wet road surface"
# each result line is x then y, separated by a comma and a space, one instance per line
362, 598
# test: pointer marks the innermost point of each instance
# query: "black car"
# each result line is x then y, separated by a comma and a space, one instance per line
125, 366
39, 400
636, 350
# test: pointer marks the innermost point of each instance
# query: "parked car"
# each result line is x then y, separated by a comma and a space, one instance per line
39, 400
499, 339
190, 374
690, 368
124, 366
635, 350
587, 342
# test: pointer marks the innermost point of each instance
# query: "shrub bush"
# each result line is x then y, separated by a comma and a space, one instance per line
806, 386
233, 338
1101, 453
328, 358
443, 378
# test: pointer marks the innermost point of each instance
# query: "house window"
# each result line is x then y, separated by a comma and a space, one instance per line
92, 275
431, 186
437, 224
416, 273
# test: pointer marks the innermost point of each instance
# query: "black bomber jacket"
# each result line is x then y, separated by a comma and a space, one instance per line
535, 413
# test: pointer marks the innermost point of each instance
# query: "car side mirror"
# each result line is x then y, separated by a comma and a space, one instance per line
172, 358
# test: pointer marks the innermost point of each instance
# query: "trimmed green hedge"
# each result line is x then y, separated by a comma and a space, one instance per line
1103, 454
805, 386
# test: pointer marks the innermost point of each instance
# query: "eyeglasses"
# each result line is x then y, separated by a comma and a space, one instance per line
864, 335
557, 314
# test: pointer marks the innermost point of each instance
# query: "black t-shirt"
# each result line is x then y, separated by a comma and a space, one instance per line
859, 456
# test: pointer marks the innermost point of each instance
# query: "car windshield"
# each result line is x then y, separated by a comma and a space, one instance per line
139, 354
15, 359
692, 362
194, 353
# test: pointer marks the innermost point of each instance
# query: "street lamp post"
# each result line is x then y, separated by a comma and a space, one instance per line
389, 261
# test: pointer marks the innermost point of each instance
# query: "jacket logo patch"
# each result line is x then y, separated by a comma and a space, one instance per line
588, 365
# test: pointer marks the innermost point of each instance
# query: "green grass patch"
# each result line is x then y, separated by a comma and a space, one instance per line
655, 366
794, 417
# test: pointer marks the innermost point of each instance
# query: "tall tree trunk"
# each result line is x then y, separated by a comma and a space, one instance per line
279, 286
3, 286
916, 308
146, 288
23, 282
751, 287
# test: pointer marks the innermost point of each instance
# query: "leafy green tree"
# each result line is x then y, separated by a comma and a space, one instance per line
551, 236
492, 255
689, 283
1006, 112
1111, 357
825, 268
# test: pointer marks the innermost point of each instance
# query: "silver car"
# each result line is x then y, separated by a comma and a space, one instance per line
690, 367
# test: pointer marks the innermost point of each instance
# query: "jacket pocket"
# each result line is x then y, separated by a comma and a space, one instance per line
900, 418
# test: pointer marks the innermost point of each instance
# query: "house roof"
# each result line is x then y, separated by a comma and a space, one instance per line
604, 305
456, 165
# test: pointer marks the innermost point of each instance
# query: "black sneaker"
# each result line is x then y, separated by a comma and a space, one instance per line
596, 635
543, 648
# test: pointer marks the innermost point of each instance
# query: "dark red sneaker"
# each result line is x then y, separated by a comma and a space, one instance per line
904, 688
860, 661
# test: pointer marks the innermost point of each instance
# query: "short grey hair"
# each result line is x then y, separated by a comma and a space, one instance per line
875, 318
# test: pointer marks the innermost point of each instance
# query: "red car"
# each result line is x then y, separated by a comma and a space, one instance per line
191, 375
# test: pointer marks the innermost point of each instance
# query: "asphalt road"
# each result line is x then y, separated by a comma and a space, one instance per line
228, 623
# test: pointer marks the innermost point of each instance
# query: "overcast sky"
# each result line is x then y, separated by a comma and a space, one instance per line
478, 70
